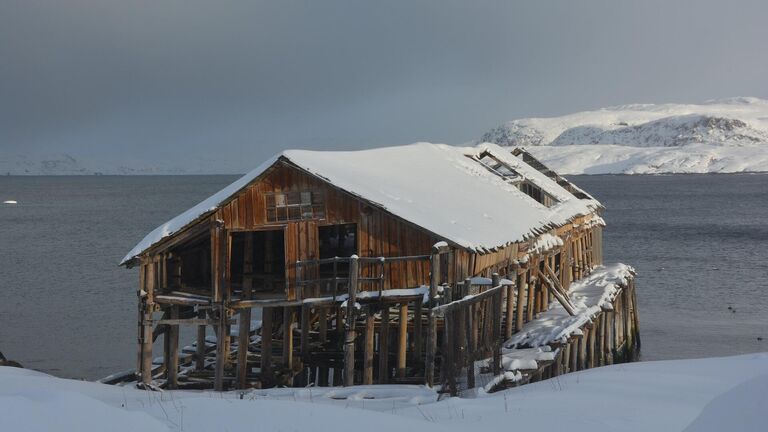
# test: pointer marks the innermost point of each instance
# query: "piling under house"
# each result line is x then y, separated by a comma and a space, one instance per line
448, 266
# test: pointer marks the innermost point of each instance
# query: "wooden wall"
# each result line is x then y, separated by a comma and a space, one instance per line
378, 232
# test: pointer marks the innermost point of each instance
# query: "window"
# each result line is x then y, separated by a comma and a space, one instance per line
336, 241
288, 206
509, 175
499, 168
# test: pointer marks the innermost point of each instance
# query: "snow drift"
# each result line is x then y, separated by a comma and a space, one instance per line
723, 136
682, 395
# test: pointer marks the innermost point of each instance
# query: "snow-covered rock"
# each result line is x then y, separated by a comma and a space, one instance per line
725, 135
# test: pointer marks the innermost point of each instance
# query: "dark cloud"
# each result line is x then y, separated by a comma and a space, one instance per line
157, 79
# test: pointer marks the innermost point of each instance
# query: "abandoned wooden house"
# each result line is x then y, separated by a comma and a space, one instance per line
453, 267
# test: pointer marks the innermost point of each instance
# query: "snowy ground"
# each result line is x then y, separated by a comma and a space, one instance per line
720, 136
684, 395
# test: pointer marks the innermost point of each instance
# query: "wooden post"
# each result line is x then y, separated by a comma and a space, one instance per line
368, 363
431, 322
322, 314
592, 336
583, 351
221, 347
471, 325
417, 338
575, 344
402, 340
200, 348
288, 321
146, 295
266, 345
531, 298
305, 360
173, 350
349, 337
384, 346
522, 288
218, 274
496, 323
508, 329
601, 340
244, 320
448, 369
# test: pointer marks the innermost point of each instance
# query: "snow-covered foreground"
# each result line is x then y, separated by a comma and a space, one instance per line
684, 395
720, 136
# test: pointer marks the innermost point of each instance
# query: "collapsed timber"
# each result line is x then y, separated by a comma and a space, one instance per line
359, 276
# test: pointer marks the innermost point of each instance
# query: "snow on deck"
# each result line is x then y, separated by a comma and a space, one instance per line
588, 295
435, 186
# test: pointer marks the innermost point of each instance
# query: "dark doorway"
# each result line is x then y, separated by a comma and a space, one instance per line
336, 241
268, 260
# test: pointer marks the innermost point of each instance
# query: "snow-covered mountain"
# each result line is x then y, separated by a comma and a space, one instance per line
725, 135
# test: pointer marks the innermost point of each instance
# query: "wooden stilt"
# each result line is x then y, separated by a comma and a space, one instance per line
509, 328
200, 344
288, 322
402, 340
322, 314
369, 335
496, 324
417, 337
173, 351
431, 321
384, 346
304, 345
471, 343
267, 315
522, 289
244, 319
349, 337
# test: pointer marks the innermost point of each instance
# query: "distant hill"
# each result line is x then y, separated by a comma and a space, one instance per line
725, 135
67, 164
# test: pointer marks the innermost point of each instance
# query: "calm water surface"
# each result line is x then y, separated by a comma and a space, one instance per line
699, 243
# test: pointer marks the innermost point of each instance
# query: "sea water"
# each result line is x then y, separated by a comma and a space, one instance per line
698, 242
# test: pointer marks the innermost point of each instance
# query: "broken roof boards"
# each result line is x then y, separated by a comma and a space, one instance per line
443, 189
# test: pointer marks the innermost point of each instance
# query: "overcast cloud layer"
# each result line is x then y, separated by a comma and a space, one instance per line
164, 82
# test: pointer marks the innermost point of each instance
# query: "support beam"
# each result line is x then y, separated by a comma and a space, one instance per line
402, 340
200, 345
266, 345
431, 320
244, 319
349, 336
496, 323
522, 288
173, 351
368, 355
384, 346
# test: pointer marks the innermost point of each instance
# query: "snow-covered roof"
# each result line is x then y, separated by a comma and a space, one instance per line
438, 187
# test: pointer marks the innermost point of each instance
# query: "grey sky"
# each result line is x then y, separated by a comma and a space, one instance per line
236, 81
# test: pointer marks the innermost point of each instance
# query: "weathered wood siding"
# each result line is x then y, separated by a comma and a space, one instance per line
378, 232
